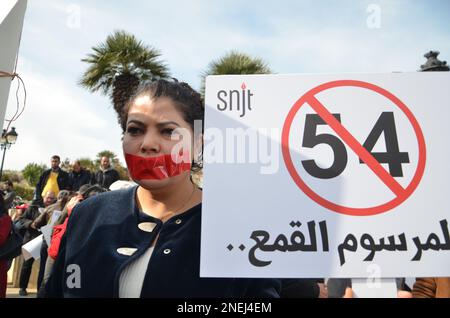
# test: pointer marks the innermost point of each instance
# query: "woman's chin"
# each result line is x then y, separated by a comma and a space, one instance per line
155, 184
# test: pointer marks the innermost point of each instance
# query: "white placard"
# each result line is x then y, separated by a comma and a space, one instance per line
47, 232
290, 196
32, 249
55, 216
47, 229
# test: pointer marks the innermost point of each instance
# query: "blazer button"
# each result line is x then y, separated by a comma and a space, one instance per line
147, 226
167, 251
128, 251
178, 221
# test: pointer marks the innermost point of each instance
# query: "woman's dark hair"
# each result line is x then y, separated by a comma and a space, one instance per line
187, 101
63, 197
92, 191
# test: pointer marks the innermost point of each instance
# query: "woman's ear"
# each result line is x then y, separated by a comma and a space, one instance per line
198, 148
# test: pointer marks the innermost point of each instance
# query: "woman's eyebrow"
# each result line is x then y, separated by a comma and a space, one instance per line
137, 122
164, 123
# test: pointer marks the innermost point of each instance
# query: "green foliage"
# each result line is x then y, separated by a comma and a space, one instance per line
25, 192
88, 164
13, 176
32, 172
235, 63
117, 67
123, 172
121, 53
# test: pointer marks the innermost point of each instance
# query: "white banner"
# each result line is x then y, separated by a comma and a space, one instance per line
48, 229
32, 249
12, 13
326, 176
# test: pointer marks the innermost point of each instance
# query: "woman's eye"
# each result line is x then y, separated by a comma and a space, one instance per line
167, 131
133, 130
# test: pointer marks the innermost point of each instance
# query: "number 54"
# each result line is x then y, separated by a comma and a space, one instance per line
385, 124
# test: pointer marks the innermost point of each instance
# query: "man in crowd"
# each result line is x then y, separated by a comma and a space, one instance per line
79, 176
106, 175
9, 194
53, 179
25, 223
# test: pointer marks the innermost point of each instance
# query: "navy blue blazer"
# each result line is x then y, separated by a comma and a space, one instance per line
103, 225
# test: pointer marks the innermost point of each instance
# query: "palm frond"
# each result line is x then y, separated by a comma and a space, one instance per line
235, 63
121, 53
117, 66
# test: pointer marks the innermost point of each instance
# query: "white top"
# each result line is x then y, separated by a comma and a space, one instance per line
132, 277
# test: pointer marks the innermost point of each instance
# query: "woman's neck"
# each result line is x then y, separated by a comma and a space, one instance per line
169, 201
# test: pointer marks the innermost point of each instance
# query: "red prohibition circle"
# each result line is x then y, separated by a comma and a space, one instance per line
331, 205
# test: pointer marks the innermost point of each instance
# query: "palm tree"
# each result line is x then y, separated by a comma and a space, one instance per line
117, 66
235, 63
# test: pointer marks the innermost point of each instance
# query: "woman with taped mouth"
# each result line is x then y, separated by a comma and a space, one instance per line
144, 241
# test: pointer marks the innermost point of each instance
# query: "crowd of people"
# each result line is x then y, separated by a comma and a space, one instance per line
143, 241
56, 190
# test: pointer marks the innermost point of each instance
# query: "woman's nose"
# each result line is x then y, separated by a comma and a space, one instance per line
150, 144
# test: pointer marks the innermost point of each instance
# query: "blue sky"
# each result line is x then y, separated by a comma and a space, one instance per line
303, 36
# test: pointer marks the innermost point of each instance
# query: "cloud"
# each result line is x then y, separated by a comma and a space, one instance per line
292, 36
59, 119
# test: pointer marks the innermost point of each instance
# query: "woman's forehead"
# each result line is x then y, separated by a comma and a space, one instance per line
142, 100
154, 107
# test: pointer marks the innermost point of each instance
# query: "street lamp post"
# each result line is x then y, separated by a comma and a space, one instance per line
8, 138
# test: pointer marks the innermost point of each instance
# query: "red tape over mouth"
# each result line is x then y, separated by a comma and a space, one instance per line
157, 168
